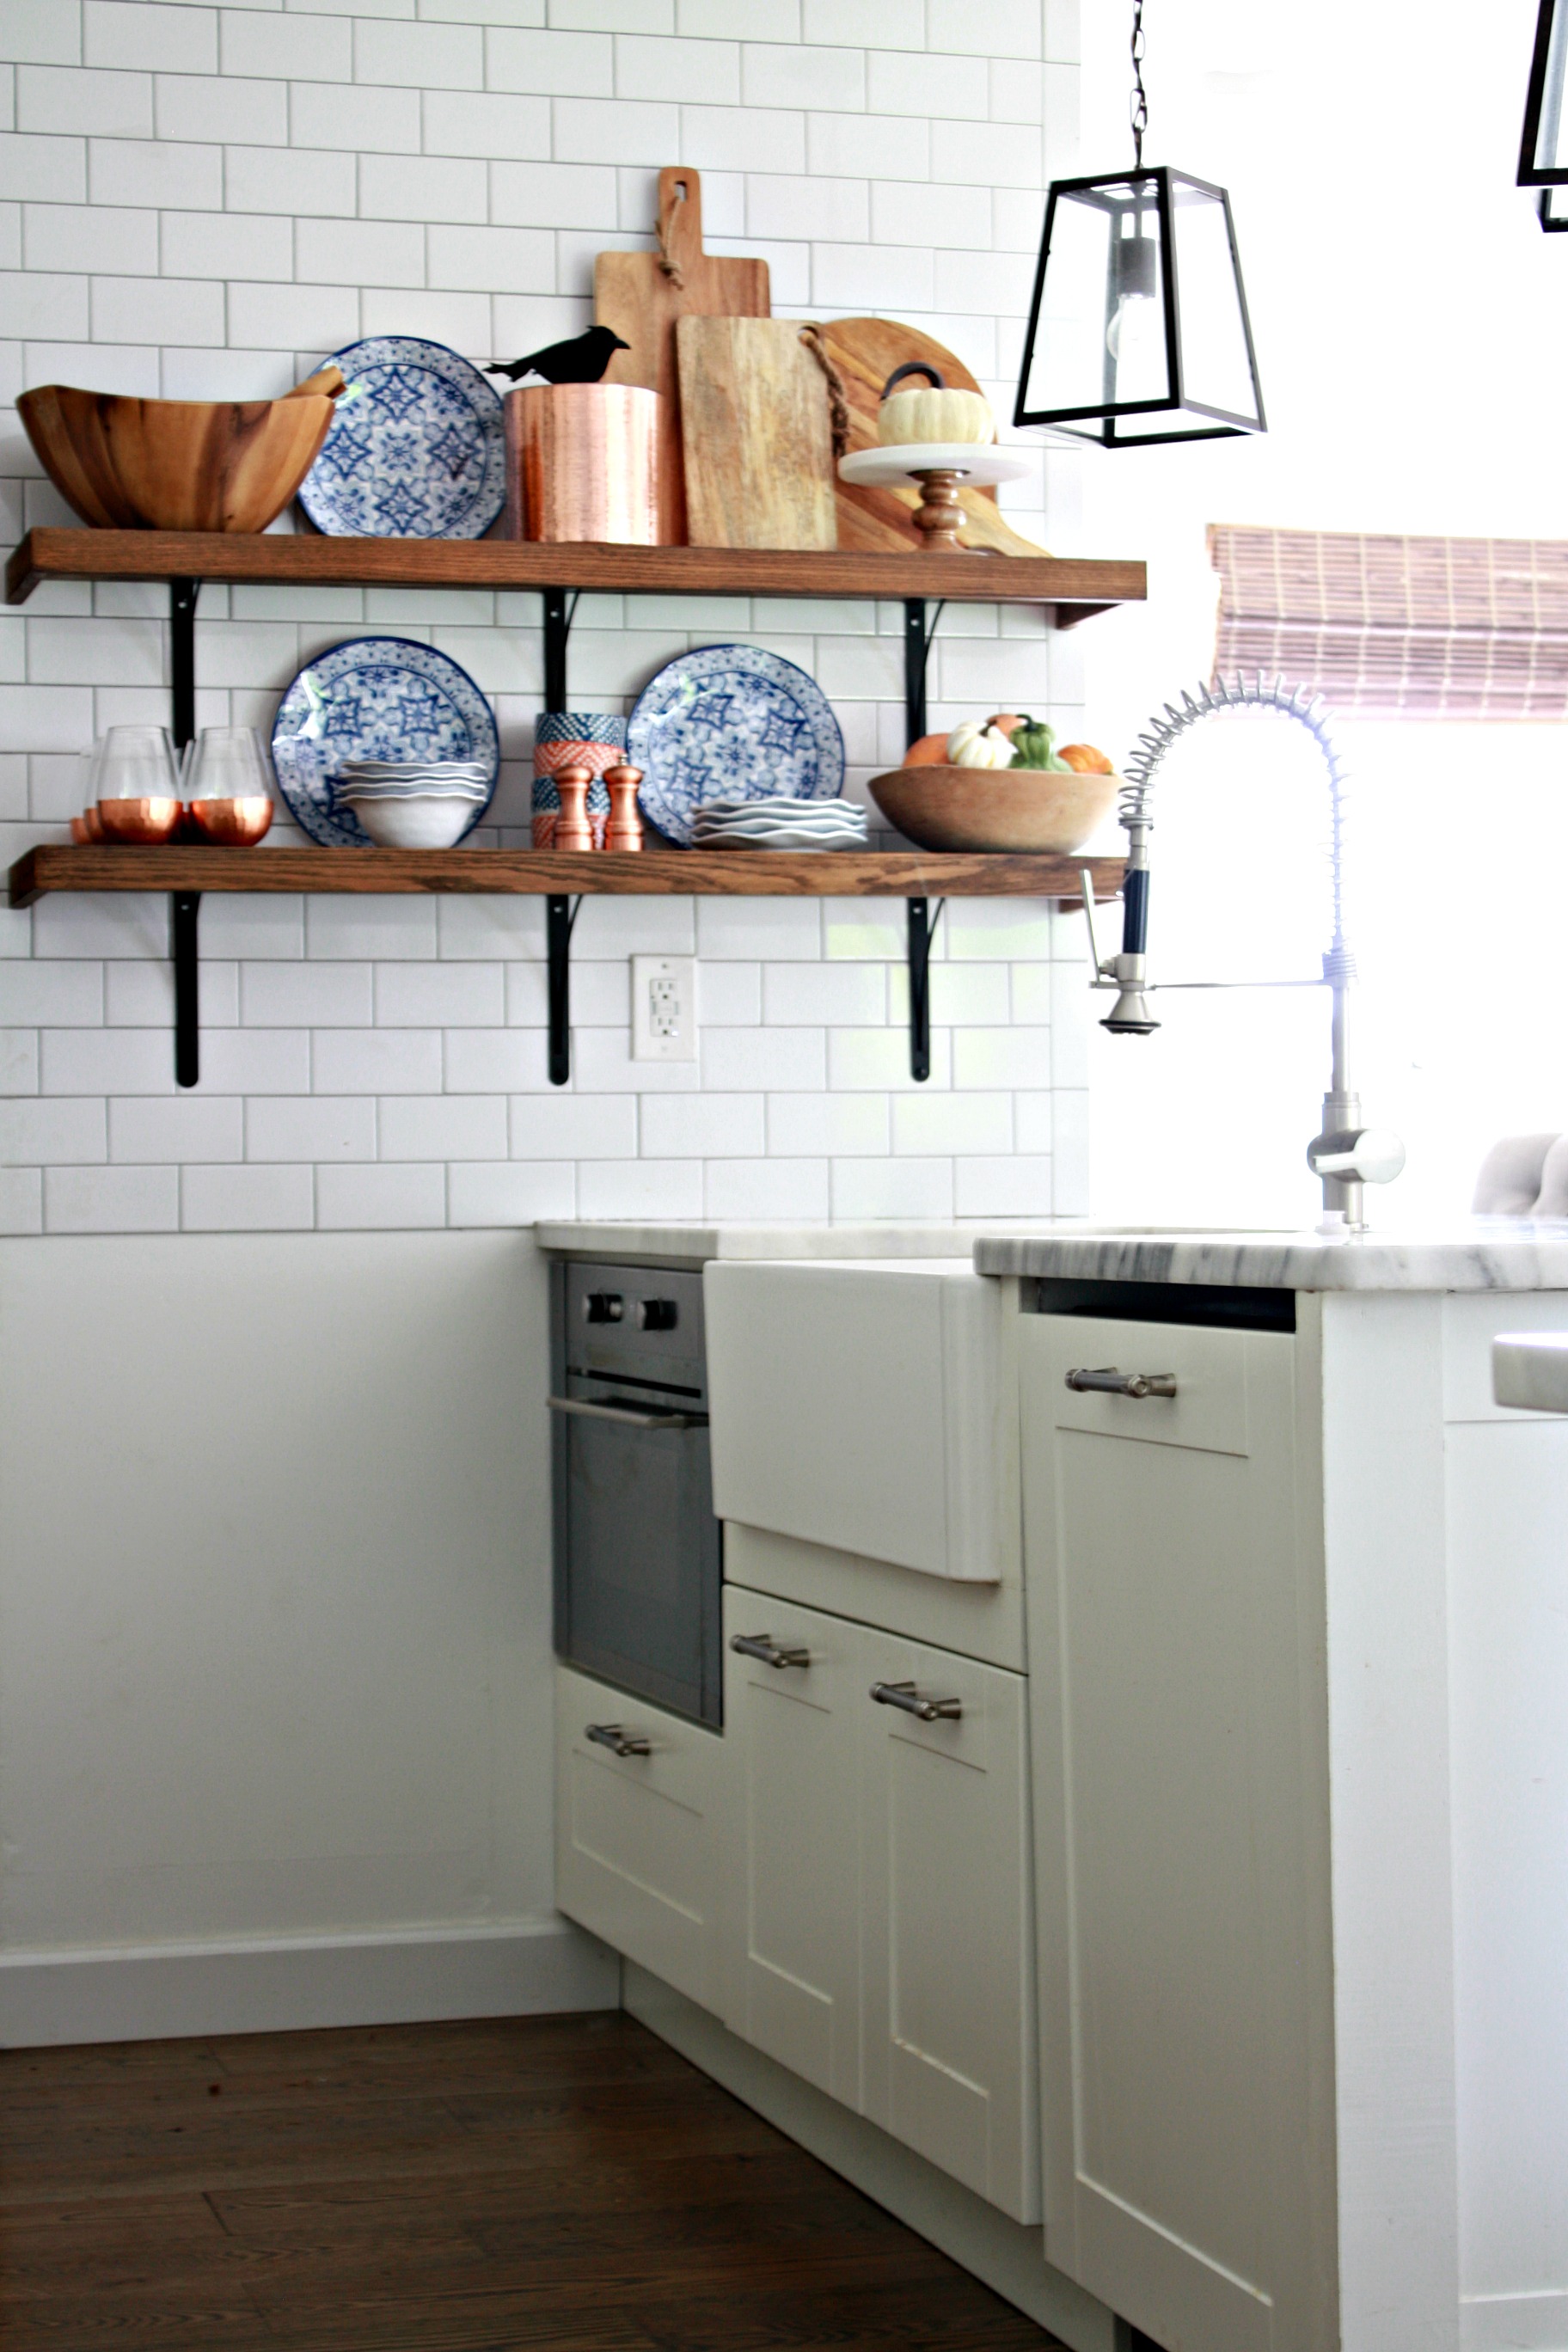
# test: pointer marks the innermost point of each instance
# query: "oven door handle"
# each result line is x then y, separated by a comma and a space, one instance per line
629, 1419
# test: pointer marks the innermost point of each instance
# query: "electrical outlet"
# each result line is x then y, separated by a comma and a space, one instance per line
664, 1008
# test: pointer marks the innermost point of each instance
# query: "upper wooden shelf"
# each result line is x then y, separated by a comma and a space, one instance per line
704, 873
1073, 587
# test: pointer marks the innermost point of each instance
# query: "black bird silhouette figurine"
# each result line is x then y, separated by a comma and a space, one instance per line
582, 360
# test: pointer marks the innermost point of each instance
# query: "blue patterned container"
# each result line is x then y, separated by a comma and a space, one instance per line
563, 739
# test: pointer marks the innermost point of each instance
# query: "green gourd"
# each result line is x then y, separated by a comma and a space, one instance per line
1034, 746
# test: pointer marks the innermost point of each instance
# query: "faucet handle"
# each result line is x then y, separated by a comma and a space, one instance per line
1357, 1155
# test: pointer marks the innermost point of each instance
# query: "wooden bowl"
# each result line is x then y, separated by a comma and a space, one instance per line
178, 465
941, 807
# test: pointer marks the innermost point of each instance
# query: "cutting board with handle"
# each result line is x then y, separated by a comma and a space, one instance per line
865, 352
642, 294
756, 437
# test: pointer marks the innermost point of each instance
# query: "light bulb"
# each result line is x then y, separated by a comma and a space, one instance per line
1135, 333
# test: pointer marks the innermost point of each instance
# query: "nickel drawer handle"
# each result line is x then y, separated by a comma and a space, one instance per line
766, 1651
1110, 1382
905, 1695
618, 1742
629, 1419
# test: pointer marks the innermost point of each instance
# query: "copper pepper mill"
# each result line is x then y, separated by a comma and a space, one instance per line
624, 830
572, 830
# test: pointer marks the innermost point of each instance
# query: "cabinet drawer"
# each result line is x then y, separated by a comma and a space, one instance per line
1208, 1412
636, 1837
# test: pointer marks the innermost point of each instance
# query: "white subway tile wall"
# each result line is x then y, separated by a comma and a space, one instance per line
201, 202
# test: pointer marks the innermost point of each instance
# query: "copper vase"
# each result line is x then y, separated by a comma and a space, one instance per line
582, 463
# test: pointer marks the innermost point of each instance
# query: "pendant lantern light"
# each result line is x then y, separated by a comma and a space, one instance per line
1138, 328
1543, 149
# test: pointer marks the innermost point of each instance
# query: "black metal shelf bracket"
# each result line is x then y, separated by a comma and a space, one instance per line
560, 914
558, 618
183, 594
183, 908
920, 628
185, 905
922, 930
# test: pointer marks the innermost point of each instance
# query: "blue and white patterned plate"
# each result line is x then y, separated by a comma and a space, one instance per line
375, 699
416, 450
730, 722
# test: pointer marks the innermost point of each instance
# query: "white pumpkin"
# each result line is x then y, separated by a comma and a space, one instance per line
972, 745
932, 412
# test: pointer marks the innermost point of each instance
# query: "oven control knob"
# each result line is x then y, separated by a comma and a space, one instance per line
657, 1314
602, 1307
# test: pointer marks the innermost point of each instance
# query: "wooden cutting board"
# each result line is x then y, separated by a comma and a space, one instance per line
866, 352
642, 294
756, 439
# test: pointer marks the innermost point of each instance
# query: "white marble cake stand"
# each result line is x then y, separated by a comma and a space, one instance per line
936, 468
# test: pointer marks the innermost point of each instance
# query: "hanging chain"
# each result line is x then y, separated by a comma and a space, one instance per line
1138, 104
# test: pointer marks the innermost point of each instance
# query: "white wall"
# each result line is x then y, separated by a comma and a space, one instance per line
202, 201
274, 1612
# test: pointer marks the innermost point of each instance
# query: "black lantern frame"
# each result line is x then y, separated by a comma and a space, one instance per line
1096, 421
1544, 108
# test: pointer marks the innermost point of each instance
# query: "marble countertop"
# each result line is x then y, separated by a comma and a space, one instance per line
660, 1243
1473, 1253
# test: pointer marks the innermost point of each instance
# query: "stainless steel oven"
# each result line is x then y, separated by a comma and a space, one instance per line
637, 1551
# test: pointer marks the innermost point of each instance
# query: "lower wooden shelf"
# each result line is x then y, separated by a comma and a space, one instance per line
557, 877
745, 874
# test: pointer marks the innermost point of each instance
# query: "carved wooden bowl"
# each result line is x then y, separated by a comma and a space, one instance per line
178, 465
941, 807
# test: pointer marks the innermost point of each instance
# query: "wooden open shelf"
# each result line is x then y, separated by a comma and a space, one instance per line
1074, 588
1068, 589
706, 873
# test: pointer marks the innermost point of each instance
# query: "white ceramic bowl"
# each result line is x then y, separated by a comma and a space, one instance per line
424, 821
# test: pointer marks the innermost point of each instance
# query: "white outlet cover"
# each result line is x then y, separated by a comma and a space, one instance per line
664, 1008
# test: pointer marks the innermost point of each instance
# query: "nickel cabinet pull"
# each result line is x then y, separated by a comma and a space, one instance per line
1110, 1382
618, 1742
628, 1420
766, 1651
905, 1695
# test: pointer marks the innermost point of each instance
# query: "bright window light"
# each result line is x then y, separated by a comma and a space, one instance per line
1457, 840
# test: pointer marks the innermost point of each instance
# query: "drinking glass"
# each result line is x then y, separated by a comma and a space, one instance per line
138, 785
230, 793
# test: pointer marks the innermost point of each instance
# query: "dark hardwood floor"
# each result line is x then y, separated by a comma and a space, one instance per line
567, 2184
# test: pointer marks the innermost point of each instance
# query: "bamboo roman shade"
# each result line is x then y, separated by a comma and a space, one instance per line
1398, 628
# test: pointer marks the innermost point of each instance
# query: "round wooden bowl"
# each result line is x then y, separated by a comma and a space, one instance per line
941, 807
175, 465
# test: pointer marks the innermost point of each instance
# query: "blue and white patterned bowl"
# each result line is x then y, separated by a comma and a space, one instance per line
730, 722
375, 699
416, 448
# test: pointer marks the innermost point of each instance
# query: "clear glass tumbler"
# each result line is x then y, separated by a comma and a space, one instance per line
228, 790
138, 785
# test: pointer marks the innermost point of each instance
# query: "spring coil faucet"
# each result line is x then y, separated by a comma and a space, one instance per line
1344, 1154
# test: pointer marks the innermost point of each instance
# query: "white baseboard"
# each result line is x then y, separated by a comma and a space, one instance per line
516, 1967
1008, 2258
1514, 2323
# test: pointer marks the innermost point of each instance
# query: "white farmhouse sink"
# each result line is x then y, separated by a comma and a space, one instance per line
1529, 1369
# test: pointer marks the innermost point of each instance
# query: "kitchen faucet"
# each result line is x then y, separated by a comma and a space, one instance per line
1345, 1155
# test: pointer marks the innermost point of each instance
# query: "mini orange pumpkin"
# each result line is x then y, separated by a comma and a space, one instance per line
1085, 759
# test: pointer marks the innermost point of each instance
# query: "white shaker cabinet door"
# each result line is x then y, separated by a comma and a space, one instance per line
792, 1939
640, 1835
951, 2067
1175, 1618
